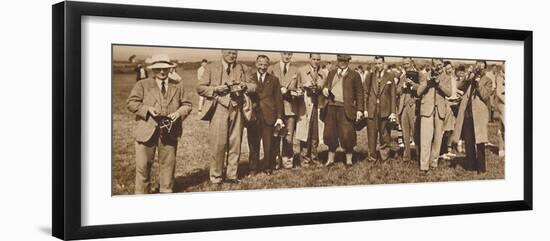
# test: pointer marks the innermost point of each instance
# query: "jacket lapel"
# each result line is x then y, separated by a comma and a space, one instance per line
277, 71
330, 78
154, 89
346, 82
383, 82
171, 90
218, 70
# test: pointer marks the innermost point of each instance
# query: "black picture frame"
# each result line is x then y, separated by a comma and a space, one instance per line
67, 135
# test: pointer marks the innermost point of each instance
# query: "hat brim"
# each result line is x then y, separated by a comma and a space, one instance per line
161, 66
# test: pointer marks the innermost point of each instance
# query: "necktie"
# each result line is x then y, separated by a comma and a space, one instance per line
285, 69
163, 89
228, 70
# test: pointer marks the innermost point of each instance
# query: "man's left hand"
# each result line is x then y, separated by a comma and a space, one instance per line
392, 116
279, 122
174, 116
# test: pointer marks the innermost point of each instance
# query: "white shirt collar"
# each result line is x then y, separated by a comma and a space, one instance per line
282, 65
343, 71
159, 83
261, 77
225, 64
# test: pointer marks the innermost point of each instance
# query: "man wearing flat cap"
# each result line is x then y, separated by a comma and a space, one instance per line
223, 85
160, 106
343, 107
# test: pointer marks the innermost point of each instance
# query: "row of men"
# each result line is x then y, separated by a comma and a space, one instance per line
312, 105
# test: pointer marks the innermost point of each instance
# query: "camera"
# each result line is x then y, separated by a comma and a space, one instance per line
279, 131
235, 88
165, 124
312, 90
412, 75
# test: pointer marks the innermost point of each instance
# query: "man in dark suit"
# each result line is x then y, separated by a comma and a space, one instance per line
344, 106
380, 108
267, 105
149, 100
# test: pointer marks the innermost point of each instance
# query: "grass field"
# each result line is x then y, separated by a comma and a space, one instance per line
194, 154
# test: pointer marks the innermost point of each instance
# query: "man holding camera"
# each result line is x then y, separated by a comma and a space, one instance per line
434, 87
406, 90
160, 106
308, 125
344, 106
473, 115
267, 105
286, 72
223, 85
380, 102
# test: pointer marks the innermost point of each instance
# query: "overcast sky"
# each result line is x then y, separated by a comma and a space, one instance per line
123, 53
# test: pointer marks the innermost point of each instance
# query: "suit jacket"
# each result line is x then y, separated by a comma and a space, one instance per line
212, 77
267, 101
480, 109
407, 96
145, 94
380, 96
352, 90
288, 80
432, 97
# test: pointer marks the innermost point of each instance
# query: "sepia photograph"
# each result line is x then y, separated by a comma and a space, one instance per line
204, 119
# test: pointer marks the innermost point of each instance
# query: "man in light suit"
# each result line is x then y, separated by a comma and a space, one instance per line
406, 90
380, 102
149, 100
473, 115
223, 85
286, 72
434, 87
308, 124
267, 105
344, 106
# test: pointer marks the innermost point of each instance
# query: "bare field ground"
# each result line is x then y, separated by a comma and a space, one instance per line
193, 157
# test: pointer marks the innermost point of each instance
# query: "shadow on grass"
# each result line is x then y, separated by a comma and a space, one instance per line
191, 179
462, 162
202, 176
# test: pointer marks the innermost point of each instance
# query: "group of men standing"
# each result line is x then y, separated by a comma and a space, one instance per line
283, 104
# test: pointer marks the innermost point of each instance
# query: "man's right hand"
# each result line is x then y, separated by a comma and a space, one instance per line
325, 92
221, 89
153, 111
284, 90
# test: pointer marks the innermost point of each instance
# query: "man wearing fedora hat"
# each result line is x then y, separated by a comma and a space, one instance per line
344, 106
151, 100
